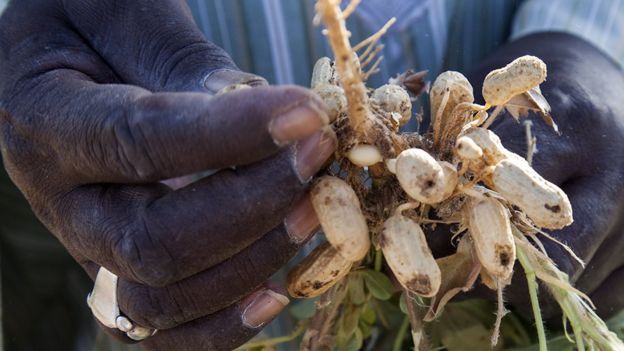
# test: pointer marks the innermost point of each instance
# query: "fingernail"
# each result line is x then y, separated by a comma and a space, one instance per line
298, 123
219, 79
301, 223
312, 153
265, 306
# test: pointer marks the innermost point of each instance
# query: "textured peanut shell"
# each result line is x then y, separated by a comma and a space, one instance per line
421, 176
393, 98
491, 146
406, 251
318, 272
467, 149
542, 201
334, 98
459, 90
323, 73
450, 179
490, 229
519, 76
338, 210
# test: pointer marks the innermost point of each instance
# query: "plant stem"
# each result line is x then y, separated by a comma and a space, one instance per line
274, 341
347, 64
415, 319
532, 285
398, 341
378, 260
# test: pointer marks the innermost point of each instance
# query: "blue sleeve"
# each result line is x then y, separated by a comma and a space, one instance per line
600, 22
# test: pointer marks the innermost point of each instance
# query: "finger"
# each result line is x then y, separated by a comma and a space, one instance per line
157, 237
163, 49
220, 286
116, 133
607, 258
226, 329
608, 297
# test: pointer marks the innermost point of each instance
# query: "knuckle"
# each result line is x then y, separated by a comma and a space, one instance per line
136, 131
144, 307
146, 258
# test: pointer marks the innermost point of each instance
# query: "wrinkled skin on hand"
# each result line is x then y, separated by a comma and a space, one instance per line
101, 101
584, 89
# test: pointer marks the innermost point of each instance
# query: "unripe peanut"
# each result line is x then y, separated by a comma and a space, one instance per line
490, 144
393, 98
364, 155
406, 251
334, 98
519, 76
542, 201
318, 272
421, 176
338, 210
467, 149
489, 227
323, 73
458, 88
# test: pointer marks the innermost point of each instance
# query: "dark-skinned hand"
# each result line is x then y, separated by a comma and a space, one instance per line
101, 101
584, 89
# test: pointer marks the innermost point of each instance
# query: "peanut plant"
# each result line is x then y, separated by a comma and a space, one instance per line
384, 186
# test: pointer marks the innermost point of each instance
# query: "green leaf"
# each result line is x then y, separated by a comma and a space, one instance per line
350, 319
357, 295
304, 309
378, 284
366, 329
368, 314
356, 341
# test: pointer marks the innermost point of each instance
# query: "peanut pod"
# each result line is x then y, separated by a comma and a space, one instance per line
450, 179
406, 251
338, 210
318, 272
458, 89
519, 76
467, 150
490, 145
542, 201
323, 73
490, 229
421, 176
393, 98
334, 98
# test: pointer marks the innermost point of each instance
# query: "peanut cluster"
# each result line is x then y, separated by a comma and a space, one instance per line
491, 181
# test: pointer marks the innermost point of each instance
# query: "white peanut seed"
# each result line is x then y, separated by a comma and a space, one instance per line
364, 155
